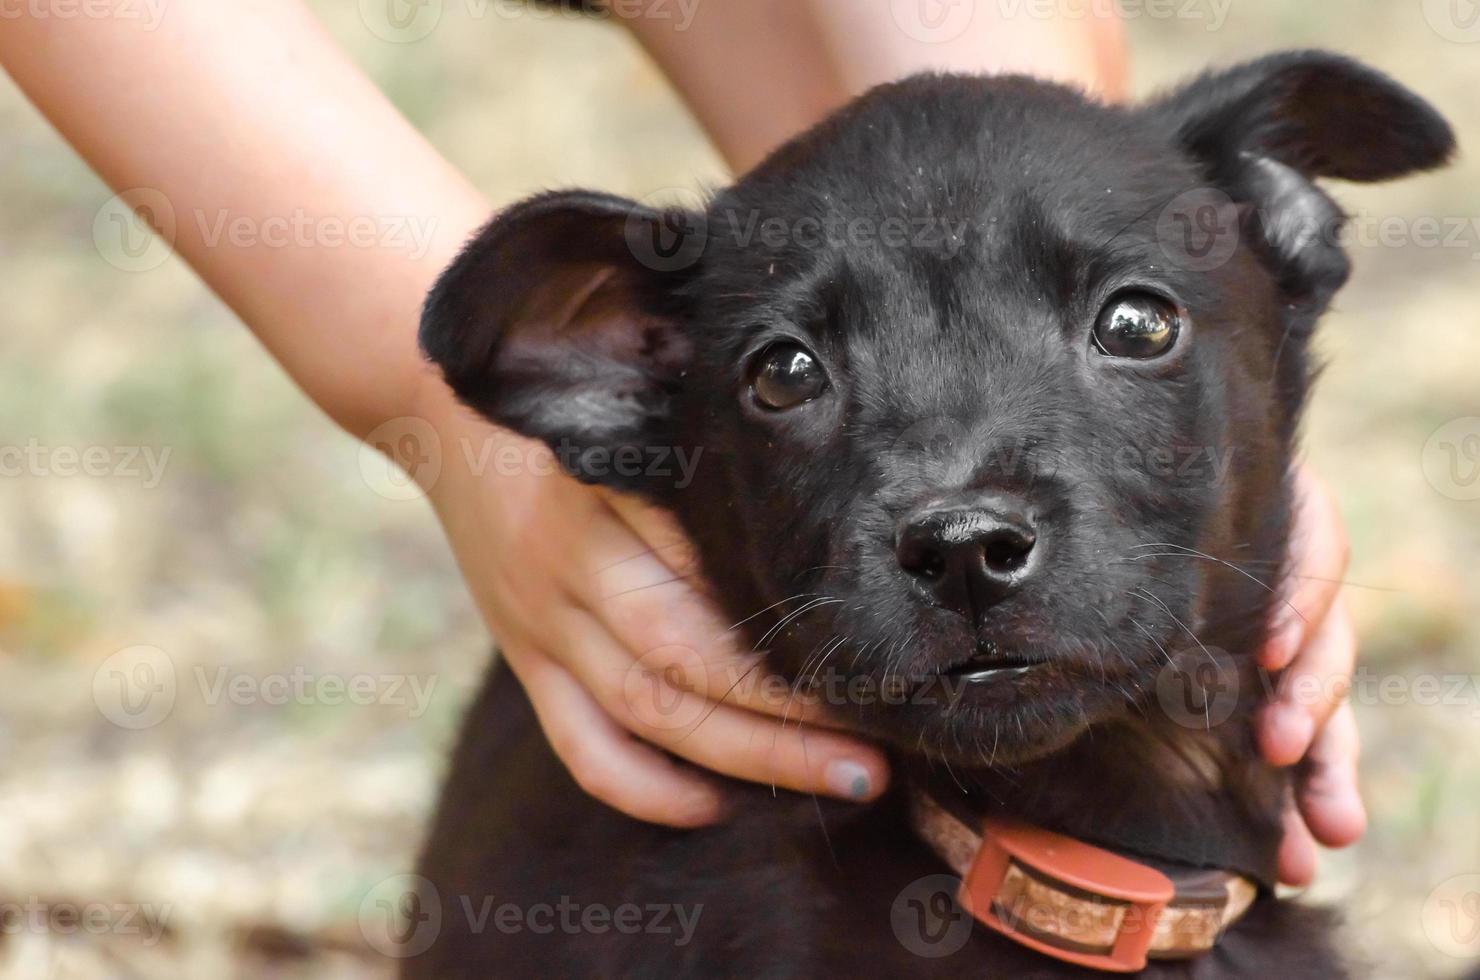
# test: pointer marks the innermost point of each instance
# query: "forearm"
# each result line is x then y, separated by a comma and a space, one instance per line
900, 39
757, 72
753, 72
298, 193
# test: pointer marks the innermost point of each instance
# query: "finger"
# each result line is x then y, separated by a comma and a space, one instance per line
1310, 690
720, 737
603, 759
660, 617
1326, 790
655, 528
1297, 858
1318, 558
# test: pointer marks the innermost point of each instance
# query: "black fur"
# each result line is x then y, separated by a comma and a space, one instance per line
960, 361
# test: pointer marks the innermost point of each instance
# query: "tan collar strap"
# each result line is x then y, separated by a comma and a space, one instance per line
1077, 902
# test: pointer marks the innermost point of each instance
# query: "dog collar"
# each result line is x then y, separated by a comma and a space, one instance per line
1077, 902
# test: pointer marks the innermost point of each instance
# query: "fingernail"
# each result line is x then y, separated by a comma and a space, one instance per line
847, 779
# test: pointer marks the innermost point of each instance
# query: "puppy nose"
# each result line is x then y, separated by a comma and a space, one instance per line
969, 555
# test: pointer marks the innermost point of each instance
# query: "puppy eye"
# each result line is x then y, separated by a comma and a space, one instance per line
785, 375
1137, 325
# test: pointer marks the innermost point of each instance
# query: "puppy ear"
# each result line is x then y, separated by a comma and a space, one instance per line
561, 320
1320, 114
1265, 130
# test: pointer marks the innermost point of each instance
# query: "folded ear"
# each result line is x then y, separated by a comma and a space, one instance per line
562, 320
1265, 130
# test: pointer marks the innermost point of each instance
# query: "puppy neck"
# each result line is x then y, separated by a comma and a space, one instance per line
1201, 799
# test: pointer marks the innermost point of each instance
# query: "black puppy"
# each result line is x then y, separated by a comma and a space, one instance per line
993, 390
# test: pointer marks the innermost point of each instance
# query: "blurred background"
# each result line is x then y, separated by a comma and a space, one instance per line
175, 517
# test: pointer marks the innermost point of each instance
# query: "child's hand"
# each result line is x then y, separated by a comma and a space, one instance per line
590, 597
1310, 721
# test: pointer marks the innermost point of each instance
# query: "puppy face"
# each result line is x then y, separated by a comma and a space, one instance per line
991, 387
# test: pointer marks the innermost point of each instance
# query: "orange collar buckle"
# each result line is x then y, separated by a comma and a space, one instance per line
1067, 899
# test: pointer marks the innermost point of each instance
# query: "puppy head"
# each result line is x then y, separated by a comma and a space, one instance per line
991, 387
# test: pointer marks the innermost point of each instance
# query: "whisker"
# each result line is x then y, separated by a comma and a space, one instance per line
1137, 624
1168, 610
799, 595
947, 760
821, 822
641, 554
1191, 552
1274, 564
828, 651
714, 706
1207, 718
651, 585
791, 616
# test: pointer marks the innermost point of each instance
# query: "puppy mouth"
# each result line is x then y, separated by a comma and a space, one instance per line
990, 664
